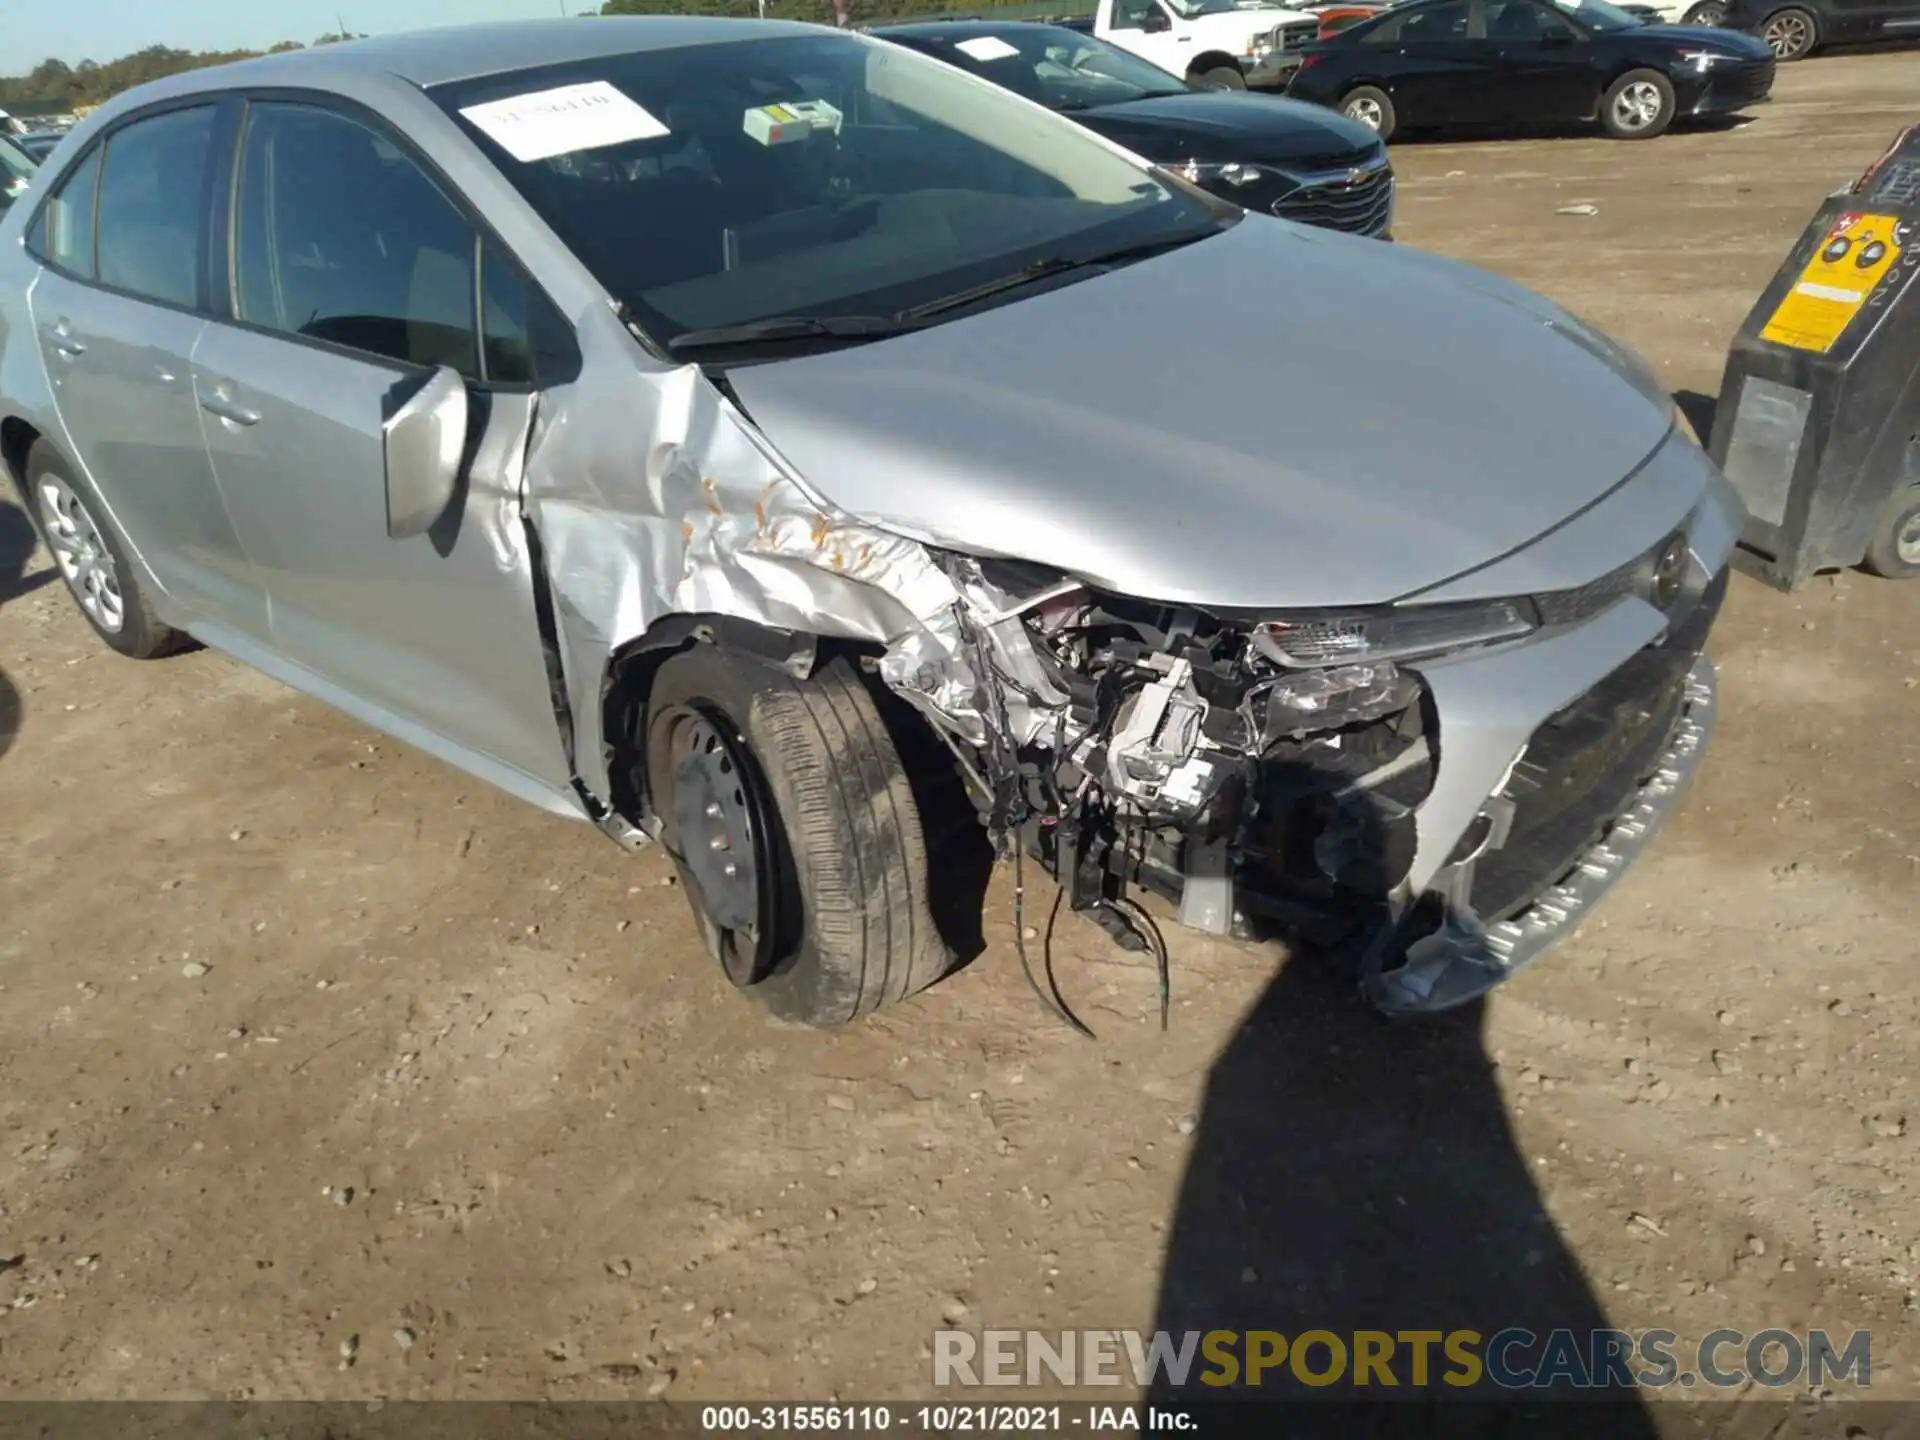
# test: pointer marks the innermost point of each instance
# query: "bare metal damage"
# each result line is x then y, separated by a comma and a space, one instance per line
714, 523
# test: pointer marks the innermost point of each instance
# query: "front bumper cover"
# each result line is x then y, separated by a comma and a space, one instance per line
1465, 958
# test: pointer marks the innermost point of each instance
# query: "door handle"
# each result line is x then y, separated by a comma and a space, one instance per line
63, 341
222, 404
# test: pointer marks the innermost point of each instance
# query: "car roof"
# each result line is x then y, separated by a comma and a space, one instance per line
955, 29
465, 52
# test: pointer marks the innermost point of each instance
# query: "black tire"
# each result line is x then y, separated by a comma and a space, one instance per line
1897, 531
1371, 107
1709, 13
1220, 77
1637, 106
1792, 33
140, 634
843, 859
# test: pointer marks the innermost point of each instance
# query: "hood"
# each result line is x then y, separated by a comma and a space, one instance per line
1231, 125
1695, 37
1275, 416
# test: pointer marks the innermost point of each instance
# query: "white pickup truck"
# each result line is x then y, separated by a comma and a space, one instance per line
1221, 44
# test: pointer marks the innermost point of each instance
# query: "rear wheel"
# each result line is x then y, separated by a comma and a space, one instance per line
1792, 34
1894, 550
1221, 77
91, 559
1637, 106
1372, 107
791, 820
1707, 13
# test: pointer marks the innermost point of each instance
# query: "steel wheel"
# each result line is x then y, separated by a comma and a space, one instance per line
725, 821
1637, 105
82, 555
1366, 110
1790, 34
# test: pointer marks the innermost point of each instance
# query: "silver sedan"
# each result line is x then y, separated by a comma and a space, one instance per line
729, 433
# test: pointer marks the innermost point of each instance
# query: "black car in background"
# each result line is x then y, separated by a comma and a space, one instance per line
1794, 29
1261, 152
1438, 63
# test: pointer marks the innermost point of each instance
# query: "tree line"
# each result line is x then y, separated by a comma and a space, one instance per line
56, 85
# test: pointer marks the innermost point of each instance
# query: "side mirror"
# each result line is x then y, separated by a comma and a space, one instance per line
1155, 21
426, 439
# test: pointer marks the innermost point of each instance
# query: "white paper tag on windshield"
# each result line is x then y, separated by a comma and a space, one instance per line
985, 47
558, 122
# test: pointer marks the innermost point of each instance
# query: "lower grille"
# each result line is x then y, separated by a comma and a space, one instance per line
1744, 86
1361, 207
1583, 767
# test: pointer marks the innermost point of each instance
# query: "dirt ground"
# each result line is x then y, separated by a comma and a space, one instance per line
325, 1072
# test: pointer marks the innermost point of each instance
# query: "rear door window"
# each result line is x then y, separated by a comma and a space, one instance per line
152, 206
63, 232
342, 237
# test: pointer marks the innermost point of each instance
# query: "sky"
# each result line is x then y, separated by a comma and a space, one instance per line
103, 30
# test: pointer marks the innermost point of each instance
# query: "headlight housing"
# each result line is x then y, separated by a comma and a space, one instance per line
1316, 638
1701, 61
1231, 173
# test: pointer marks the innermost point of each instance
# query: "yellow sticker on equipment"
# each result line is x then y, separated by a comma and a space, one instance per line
1857, 251
777, 112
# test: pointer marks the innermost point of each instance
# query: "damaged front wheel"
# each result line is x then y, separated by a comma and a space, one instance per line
791, 820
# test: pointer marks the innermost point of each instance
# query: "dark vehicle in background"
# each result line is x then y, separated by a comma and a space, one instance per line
1261, 152
16, 172
1794, 29
40, 143
1439, 63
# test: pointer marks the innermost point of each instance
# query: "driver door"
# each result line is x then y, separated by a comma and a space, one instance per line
355, 280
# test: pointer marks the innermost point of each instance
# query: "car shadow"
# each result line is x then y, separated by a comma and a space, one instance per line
17, 542
1350, 1173
1700, 411
1454, 135
10, 712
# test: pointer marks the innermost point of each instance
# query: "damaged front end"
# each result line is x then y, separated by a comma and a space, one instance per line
1278, 775
1441, 788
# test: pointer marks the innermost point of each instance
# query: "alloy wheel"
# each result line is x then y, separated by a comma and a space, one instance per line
1789, 35
1366, 110
1637, 106
1709, 16
85, 562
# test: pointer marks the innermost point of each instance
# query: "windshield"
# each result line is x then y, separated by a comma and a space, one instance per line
810, 175
1057, 68
1187, 9
1598, 15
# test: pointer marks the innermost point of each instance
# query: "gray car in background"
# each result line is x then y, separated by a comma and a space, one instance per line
722, 431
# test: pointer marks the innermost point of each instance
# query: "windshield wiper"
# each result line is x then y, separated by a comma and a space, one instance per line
1049, 265
793, 327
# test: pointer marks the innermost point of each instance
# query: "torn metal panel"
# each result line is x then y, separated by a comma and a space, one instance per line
710, 521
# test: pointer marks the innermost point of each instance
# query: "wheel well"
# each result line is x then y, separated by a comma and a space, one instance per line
1212, 60
627, 686
17, 437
